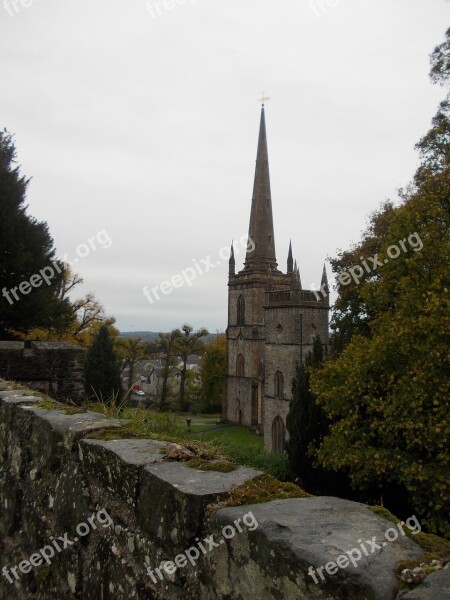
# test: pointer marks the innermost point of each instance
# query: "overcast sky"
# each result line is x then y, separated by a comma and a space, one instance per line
138, 122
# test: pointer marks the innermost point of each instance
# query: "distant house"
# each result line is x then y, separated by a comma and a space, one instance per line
148, 375
193, 363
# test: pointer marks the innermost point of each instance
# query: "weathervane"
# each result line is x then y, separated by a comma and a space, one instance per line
264, 98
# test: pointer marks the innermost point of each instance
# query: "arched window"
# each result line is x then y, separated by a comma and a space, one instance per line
278, 384
239, 416
278, 435
241, 311
240, 366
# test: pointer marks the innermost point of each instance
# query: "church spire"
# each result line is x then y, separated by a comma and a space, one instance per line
232, 262
290, 264
262, 253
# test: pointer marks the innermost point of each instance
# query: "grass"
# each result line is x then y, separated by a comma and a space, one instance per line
244, 447
241, 446
68, 409
234, 435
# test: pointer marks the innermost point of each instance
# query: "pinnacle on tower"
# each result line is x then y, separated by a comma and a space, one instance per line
324, 289
261, 221
232, 262
296, 282
290, 266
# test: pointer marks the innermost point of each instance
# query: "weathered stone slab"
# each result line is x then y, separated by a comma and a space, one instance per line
19, 397
69, 428
115, 464
10, 345
293, 535
435, 587
173, 498
193, 482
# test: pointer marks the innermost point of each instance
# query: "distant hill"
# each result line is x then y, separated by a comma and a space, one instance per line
147, 336
150, 336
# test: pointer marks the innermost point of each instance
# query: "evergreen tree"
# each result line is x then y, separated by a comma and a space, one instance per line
26, 248
306, 422
102, 370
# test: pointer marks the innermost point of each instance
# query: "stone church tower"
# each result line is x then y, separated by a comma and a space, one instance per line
272, 321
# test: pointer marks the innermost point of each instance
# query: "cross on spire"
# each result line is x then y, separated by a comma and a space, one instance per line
263, 98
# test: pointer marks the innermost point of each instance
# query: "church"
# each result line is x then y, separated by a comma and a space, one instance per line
272, 321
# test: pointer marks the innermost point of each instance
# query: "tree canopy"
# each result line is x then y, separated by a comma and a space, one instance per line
213, 372
386, 389
189, 342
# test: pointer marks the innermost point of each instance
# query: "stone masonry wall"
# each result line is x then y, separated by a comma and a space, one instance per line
53, 368
57, 475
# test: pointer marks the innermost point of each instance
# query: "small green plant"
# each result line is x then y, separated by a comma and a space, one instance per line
112, 406
264, 489
69, 409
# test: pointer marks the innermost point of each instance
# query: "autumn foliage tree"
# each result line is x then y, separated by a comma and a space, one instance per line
84, 316
387, 388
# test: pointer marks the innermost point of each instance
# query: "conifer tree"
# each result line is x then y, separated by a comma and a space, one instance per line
26, 247
306, 421
102, 370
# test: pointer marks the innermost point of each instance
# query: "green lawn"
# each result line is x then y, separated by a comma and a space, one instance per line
228, 434
234, 435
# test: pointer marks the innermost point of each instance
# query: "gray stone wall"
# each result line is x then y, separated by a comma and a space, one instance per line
55, 482
239, 391
290, 332
53, 368
247, 340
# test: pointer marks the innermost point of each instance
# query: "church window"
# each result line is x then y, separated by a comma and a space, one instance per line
241, 311
278, 384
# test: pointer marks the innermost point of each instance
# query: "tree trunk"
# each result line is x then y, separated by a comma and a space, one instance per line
183, 384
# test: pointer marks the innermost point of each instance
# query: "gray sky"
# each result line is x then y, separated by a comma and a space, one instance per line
140, 119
